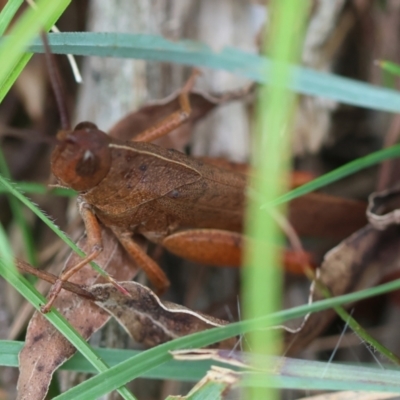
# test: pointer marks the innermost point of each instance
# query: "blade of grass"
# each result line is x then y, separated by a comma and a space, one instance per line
262, 272
38, 188
12, 49
7, 14
179, 370
342, 374
250, 65
389, 66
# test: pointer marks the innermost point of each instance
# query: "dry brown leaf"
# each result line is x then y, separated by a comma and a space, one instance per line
355, 264
151, 321
45, 348
145, 317
359, 262
232, 358
384, 208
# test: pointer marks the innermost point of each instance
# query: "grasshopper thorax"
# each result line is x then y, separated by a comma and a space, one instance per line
82, 157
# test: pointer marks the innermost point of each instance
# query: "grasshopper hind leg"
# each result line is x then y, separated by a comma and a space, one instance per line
153, 271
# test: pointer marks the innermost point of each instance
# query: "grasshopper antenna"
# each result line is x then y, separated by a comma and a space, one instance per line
56, 84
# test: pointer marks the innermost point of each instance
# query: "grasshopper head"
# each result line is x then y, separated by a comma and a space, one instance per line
82, 157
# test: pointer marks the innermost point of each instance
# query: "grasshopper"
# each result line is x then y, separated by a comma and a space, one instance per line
193, 209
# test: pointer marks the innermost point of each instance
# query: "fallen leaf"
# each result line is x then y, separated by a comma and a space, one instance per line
361, 261
384, 208
151, 321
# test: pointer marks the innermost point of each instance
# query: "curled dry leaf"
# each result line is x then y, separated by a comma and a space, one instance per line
45, 348
359, 262
151, 321
384, 208
231, 358
201, 103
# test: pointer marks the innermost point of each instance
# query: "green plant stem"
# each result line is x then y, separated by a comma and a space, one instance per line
7, 14
12, 56
157, 48
262, 279
38, 188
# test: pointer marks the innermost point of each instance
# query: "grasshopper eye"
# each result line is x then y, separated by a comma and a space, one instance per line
88, 164
82, 159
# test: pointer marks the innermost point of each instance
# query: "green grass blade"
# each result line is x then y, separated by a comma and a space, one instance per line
13, 47
291, 373
188, 371
9, 351
252, 66
39, 188
14, 74
359, 380
262, 270
389, 66
7, 14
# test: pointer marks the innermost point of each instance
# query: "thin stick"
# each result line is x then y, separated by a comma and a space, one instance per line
56, 84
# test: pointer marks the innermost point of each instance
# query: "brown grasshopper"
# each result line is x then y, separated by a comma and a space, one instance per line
191, 208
